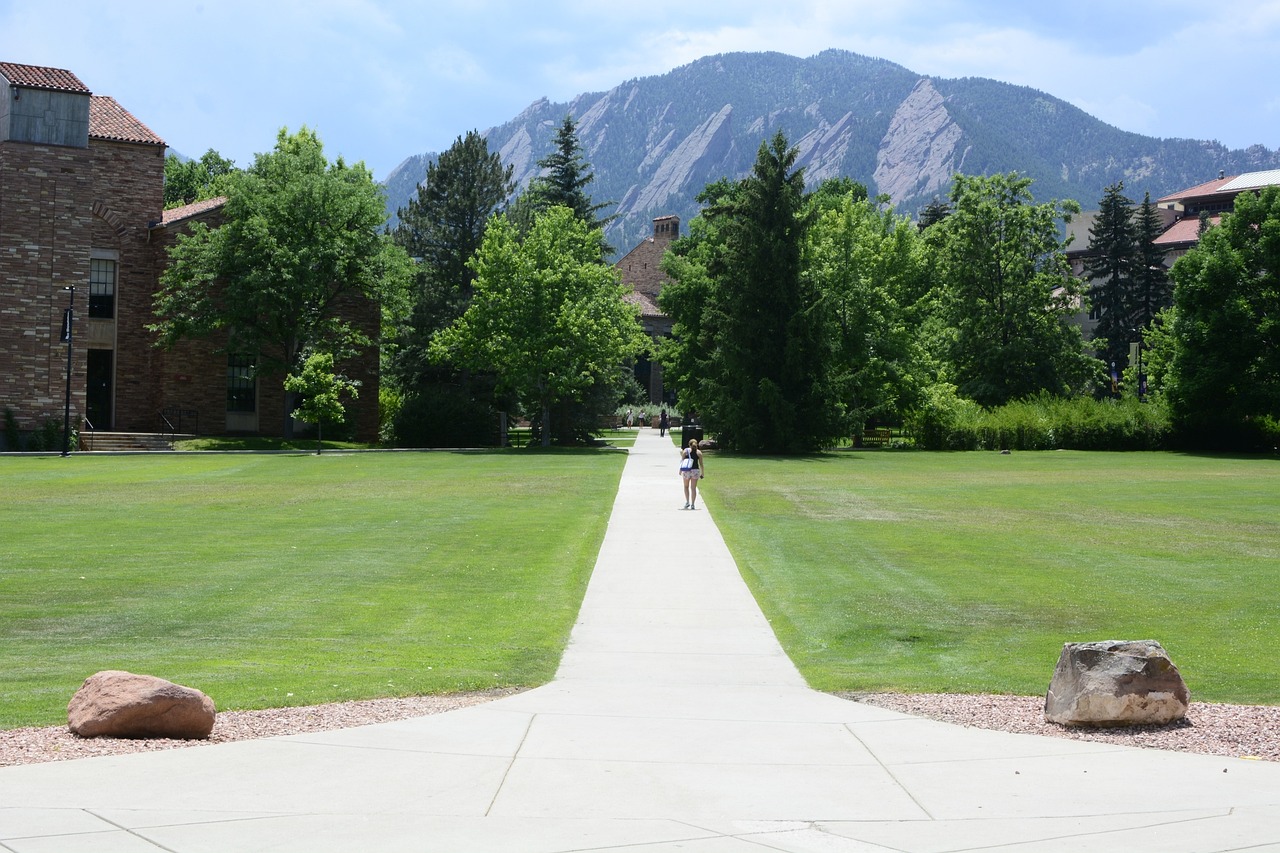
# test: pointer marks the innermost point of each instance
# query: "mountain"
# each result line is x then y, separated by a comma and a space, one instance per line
655, 142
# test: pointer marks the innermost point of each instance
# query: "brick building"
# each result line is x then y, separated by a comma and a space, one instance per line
81, 206
641, 270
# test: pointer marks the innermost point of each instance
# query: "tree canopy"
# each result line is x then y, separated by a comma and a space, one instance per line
194, 180
299, 246
1007, 293
547, 318
1224, 379
566, 176
441, 229
751, 355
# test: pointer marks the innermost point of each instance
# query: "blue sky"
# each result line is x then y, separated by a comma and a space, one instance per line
383, 79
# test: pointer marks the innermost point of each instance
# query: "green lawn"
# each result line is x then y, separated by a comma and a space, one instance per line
269, 580
959, 572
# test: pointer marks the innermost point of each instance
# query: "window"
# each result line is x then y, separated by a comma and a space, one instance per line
242, 393
102, 288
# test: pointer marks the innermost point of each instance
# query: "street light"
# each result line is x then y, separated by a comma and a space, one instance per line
68, 322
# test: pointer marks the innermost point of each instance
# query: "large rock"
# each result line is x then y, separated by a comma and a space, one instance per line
1115, 683
113, 703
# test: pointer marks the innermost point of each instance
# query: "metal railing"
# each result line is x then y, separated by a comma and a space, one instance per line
188, 421
91, 429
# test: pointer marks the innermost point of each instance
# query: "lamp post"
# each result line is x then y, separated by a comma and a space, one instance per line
1142, 379
68, 323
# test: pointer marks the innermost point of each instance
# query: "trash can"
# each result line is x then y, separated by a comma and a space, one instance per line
690, 431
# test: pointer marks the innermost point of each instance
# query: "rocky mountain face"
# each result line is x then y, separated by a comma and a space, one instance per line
655, 142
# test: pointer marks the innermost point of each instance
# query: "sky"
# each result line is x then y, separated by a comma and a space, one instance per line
381, 80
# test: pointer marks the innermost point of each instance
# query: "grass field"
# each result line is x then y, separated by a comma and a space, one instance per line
270, 580
966, 572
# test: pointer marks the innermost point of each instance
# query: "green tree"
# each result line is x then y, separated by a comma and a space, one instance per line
194, 180
933, 212
566, 176
1007, 293
1111, 266
442, 228
321, 390
867, 263
1152, 289
547, 318
1224, 380
299, 248
768, 383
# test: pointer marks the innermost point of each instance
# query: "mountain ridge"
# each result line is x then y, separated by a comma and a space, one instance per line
655, 142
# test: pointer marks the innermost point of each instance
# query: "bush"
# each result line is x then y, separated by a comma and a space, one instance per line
444, 416
12, 434
1041, 423
944, 420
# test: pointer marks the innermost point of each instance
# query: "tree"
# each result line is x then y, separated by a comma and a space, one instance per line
194, 180
1224, 380
934, 212
1111, 265
767, 384
547, 318
1152, 290
300, 248
1007, 294
442, 228
321, 390
566, 177
868, 263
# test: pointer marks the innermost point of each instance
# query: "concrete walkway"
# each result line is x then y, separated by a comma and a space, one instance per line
674, 723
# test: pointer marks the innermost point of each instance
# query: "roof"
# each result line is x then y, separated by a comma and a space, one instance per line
39, 77
1252, 181
1184, 231
1207, 188
109, 120
648, 305
187, 211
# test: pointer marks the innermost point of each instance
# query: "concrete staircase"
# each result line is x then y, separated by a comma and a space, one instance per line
118, 442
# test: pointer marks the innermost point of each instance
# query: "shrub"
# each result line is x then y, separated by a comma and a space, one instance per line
1042, 423
444, 416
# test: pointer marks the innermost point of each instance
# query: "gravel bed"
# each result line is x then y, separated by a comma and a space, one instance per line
1238, 731
56, 743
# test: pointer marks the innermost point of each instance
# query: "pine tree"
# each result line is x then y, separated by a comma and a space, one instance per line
564, 183
1153, 292
442, 228
762, 365
1111, 264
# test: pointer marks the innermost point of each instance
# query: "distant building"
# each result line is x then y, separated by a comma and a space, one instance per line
641, 270
1205, 203
81, 205
1183, 214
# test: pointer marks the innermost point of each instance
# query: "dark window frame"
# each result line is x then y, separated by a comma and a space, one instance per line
242, 384
103, 273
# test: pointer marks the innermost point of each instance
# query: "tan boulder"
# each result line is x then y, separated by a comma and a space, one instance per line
113, 703
1115, 683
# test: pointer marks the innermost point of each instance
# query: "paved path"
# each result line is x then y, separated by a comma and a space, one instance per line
674, 723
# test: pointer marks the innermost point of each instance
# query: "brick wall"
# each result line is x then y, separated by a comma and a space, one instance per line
45, 228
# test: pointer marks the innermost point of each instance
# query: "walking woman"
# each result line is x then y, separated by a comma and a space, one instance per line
691, 471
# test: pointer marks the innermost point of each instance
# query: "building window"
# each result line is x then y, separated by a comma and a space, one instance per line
242, 386
102, 288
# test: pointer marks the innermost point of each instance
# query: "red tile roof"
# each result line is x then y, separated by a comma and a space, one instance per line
109, 120
177, 214
1183, 231
39, 77
1200, 190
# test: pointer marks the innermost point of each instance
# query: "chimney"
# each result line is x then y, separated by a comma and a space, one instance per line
1221, 174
